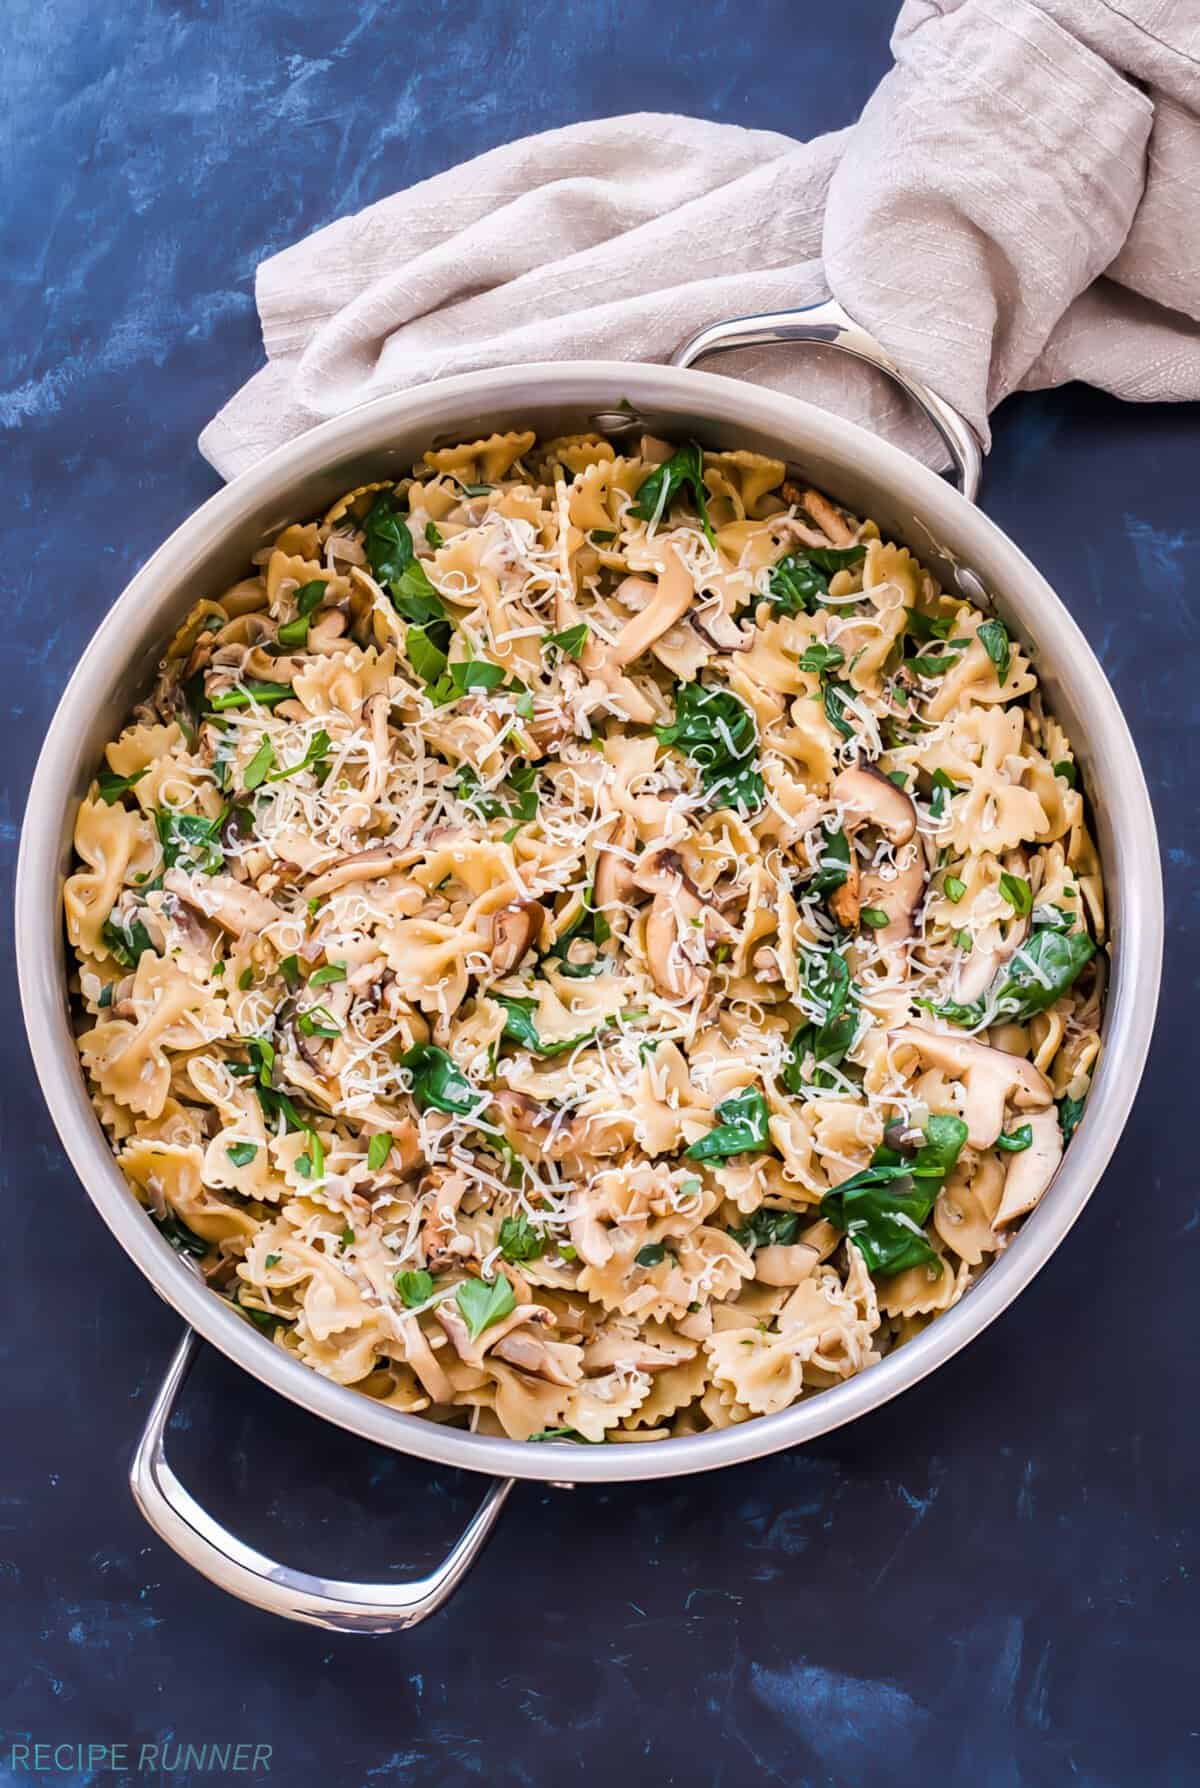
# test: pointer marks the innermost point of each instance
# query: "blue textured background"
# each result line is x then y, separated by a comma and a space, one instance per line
988, 1581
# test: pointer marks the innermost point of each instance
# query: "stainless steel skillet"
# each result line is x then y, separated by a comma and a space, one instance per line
209, 551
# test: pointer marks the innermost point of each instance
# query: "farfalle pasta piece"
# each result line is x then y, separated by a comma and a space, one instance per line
128, 1057
116, 845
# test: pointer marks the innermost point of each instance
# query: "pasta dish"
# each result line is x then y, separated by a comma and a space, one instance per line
586, 945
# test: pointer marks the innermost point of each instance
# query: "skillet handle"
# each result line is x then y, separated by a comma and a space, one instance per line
219, 1555
827, 325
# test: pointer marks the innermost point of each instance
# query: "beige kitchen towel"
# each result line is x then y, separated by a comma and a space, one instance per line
1019, 205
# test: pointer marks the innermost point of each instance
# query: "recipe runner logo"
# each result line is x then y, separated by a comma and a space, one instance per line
165, 1757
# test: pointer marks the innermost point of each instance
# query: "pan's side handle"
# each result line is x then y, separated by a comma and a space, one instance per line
219, 1555
827, 325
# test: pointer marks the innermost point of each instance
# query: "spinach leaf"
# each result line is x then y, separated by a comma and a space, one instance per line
1066, 769
483, 1302
333, 971
827, 983
126, 939
742, 1128
438, 1085
242, 1153
719, 735
767, 1228
424, 654
520, 1239
460, 678
883, 1208
519, 1028
189, 841
835, 864
184, 1240
924, 627
821, 658
111, 786
394, 564
652, 1255
937, 664
316, 752
1015, 1142
415, 1288
683, 471
799, 583
1069, 1113
488, 804
571, 1434
835, 695
1039, 972
308, 596
994, 638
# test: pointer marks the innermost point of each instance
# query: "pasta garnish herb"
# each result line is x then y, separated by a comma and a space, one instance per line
767, 1228
520, 1028
1070, 1111
639, 974
1039, 973
415, 1288
741, 1128
519, 1239
1017, 892
993, 636
684, 471
571, 640
438, 1084
308, 598
378, 1150
126, 939
189, 841
483, 1302
718, 733
799, 582
111, 786
884, 1208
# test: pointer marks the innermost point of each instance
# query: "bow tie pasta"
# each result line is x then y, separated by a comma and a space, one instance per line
588, 945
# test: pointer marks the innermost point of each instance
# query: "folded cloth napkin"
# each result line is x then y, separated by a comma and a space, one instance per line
1019, 205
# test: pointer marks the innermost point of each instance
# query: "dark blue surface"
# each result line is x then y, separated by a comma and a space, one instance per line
990, 1581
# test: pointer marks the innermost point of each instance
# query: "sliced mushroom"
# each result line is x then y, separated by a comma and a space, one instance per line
1030, 1172
785, 1263
822, 511
554, 1361
513, 931
363, 866
667, 601
613, 881
991, 1078
900, 898
844, 902
231, 905
871, 798
419, 1355
676, 939
721, 630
